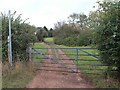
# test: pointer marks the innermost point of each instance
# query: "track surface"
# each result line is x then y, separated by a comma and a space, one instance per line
58, 74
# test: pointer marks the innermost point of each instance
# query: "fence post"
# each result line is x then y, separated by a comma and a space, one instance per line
30, 57
77, 59
9, 38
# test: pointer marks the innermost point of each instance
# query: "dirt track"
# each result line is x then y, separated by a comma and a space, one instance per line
57, 74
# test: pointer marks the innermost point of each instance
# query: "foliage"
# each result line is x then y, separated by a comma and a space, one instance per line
22, 36
50, 32
75, 33
42, 33
18, 76
101, 28
66, 35
108, 33
85, 38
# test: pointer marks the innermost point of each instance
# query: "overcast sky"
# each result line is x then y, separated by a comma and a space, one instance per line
46, 12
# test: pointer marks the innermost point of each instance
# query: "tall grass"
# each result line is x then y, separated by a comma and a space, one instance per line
18, 75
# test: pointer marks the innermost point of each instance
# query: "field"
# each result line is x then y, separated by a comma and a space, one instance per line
88, 66
48, 39
53, 72
91, 68
37, 57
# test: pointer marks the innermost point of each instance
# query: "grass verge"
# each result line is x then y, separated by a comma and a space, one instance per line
17, 76
21, 73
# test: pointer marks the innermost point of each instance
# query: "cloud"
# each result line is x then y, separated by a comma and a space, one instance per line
46, 12
48, 18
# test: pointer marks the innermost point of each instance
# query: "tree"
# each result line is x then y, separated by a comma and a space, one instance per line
50, 32
82, 21
40, 34
66, 35
72, 19
75, 33
93, 22
46, 32
108, 34
45, 28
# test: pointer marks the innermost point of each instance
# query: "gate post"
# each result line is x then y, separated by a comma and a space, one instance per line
30, 57
77, 59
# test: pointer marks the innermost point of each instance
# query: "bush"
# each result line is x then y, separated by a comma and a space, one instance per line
70, 41
108, 34
22, 36
85, 38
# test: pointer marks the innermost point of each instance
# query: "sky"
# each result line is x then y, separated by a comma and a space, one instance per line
46, 12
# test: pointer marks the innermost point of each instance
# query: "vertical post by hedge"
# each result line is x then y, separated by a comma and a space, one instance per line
77, 59
10, 44
30, 55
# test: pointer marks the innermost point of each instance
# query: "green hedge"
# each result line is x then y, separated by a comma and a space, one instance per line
22, 36
108, 34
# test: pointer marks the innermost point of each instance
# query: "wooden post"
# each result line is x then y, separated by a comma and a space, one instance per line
30, 55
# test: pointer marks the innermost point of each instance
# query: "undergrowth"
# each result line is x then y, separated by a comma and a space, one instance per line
18, 75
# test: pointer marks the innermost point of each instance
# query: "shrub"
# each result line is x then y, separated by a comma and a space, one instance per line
22, 36
108, 34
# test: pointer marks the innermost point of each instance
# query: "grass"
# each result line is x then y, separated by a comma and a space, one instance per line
39, 47
92, 73
17, 76
21, 73
95, 74
50, 39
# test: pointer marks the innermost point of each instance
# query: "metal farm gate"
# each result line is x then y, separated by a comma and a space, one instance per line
68, 60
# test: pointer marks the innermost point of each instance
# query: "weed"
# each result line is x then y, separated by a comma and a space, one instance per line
16, 76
